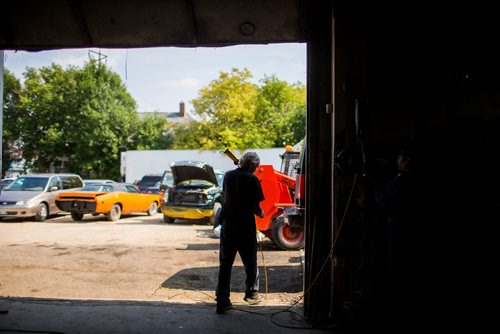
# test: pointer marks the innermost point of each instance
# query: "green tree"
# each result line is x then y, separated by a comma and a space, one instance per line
235, 113
153, 133
281, 110
226, 111
76, 119
10, 131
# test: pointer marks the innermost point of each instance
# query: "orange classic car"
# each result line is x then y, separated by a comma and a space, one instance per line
112, 200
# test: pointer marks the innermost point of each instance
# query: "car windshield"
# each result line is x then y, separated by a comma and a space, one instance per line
5, 182
97, 187
28, 184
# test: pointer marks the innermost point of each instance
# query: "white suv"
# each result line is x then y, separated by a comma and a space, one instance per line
34, 195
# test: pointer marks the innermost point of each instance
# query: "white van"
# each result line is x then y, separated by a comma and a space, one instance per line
34, 195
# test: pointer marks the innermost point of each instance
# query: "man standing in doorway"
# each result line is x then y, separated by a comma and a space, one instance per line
242, 197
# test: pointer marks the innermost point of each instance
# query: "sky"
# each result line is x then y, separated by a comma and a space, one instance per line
160, 78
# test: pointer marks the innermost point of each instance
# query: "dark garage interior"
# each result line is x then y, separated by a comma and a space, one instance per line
381, 76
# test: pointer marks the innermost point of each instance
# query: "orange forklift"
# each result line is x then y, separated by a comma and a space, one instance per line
278, 188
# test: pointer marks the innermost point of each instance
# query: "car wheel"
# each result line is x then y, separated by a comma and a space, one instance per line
153, 209
287, 238
168, 220
214, 219
76, 216
41, 212
115, 213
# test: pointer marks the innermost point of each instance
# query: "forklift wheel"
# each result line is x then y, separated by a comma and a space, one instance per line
285, 237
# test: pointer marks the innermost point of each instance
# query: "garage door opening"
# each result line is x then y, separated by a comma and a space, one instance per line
140, 257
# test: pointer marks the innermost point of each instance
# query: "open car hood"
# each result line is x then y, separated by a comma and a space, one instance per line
192, 170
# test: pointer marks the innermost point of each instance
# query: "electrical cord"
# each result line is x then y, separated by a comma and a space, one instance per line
264, 265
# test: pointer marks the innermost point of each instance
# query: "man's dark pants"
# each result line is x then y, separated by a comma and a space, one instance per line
232, 242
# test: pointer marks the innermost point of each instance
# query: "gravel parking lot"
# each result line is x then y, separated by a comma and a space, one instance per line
137, 258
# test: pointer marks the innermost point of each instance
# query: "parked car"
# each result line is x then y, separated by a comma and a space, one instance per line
153, 190
34, 195
96, 181
159, 188
149, 180
5, 182
196, 192
110, 199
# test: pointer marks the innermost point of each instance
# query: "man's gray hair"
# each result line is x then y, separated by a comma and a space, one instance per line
249, 161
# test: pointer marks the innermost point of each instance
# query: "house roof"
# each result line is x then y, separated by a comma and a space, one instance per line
172, 117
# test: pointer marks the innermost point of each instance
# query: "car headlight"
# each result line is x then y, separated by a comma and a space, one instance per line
24, 203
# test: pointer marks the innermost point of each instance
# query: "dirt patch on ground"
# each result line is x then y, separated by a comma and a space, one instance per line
136, 258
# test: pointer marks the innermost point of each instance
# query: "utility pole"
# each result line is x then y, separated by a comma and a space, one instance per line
100, 56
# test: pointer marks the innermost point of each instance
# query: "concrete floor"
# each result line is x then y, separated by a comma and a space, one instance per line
96, 316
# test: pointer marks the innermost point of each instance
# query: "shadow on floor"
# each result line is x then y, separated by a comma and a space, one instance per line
127, 316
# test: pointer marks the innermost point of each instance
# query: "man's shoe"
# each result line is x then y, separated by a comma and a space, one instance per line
222, 308
253, 299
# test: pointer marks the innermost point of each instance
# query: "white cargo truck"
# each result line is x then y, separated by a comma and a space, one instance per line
136, 164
